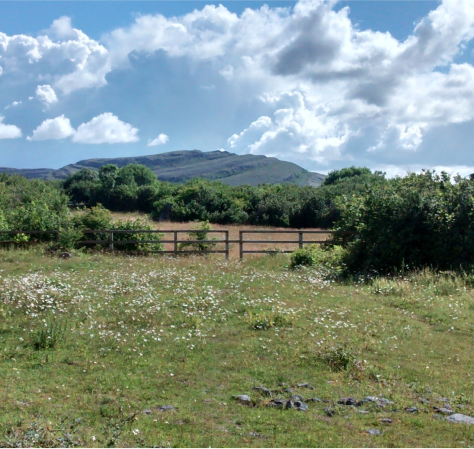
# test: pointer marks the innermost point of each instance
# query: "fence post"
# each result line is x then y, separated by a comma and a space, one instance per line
226, 245
175, 242
241, 245
300, 240
111, 238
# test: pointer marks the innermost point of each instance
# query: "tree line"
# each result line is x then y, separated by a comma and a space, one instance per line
409, 222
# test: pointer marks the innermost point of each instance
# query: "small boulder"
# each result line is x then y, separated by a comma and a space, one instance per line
374, 432
330, 411
460, 418
243, 399
264, 390
289, 404
301, 406
305, 385
411, 409
277, 403
347, 401
166, 408
443, 410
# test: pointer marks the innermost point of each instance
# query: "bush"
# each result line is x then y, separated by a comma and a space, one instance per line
32, 205
99, 218
316, 255
137, 225
419, 221
200, 233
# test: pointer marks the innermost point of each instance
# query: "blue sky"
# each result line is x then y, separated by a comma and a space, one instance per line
385, 84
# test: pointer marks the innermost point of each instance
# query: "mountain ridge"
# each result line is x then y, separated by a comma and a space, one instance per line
180, 166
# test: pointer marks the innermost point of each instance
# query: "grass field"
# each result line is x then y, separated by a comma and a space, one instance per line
269, 241
91, 347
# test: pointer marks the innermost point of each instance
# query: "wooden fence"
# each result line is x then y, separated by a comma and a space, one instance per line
175, 241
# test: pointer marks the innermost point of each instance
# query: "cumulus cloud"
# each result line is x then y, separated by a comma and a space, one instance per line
9, 131
321, 84
46, 94
160, 140
105, 128
297, 127
63, 54
53, 129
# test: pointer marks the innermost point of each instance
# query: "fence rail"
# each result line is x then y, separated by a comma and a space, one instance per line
175, 241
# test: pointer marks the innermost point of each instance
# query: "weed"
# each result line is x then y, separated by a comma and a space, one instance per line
48, 337
267, 320
338, 358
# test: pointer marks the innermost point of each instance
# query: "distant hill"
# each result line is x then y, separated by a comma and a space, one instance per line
180, 166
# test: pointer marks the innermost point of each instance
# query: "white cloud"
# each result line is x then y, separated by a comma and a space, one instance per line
9, 131
13, 105
298, 129
307, 84
105, 128
53, 129
395, 170
160, 140
46, 94
62, 54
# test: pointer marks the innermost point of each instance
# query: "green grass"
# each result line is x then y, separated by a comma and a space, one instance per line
88, 344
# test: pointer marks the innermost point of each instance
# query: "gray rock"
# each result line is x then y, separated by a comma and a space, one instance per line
374, 432
424, 401
411, 409
329, 411
243, 398
315, 400
381, 402
364, 412
289, 404
460, 418
147, 412
443, 410
277, 402
264, 390
347, 401
386, 421
305, 385
165, 408
301, 406
297, 397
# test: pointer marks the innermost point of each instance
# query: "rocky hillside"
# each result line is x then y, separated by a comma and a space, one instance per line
180, 166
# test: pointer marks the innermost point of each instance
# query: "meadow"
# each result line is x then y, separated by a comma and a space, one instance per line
108, 350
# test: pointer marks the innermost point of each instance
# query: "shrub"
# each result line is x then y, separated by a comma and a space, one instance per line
32, 205
138, 224
419, 221
200, 233
317, 255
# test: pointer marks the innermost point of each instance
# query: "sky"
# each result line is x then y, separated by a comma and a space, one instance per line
325, 84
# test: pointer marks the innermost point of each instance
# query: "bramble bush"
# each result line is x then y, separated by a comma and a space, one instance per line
421, 220
31, 205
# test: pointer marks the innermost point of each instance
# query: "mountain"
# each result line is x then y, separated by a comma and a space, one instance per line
180, 166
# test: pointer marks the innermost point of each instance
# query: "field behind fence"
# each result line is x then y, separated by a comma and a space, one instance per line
232, 241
